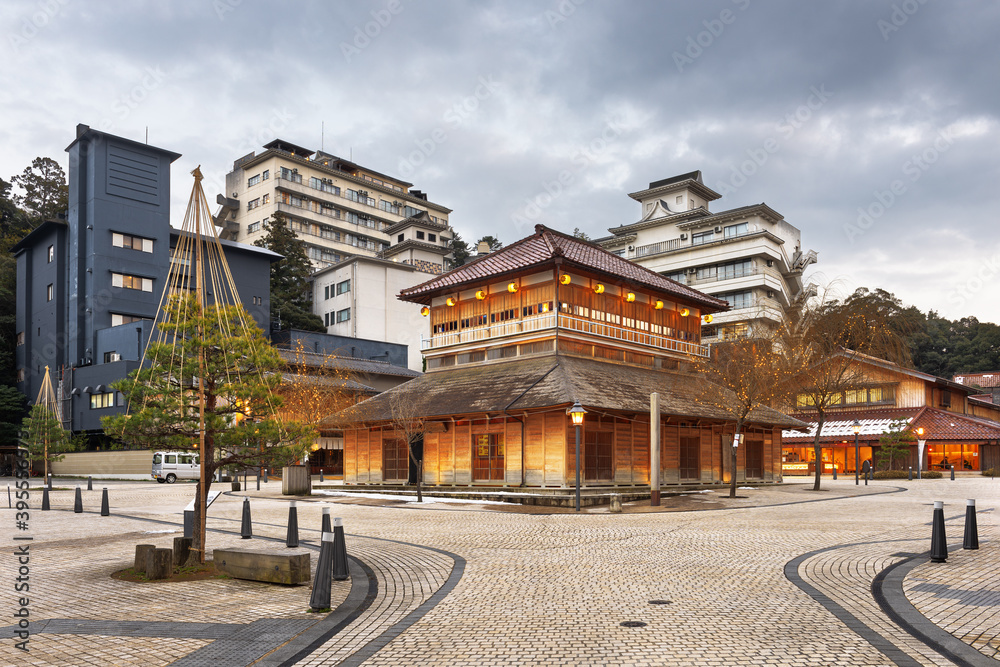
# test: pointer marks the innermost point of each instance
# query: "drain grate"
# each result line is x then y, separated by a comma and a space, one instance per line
633, 624
659, 602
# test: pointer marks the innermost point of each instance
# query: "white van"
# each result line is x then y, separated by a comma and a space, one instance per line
171, 466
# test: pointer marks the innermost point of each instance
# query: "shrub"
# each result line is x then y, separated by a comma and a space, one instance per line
990, 472
904, 474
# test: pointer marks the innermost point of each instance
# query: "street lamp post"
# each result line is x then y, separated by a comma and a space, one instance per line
576, 413
856, 427
921, 442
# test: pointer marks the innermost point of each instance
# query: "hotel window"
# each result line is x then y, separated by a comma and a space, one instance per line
343, 315
117, 319
326, 319
131, 282
326, 292
52, 253
105, 400
253, 180
410, 212
432, 238
420, 235
254, 203
738, 299
266, 199
736, 230
399, 239
253, 227
49, 293
131, 242
702, 237
388, 206
343, 287
266, 175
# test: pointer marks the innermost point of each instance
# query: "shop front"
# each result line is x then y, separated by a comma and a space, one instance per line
963, 456
801, 460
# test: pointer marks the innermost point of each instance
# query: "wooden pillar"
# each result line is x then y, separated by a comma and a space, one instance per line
654, 449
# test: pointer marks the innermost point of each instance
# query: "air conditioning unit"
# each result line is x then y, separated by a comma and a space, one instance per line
770, 294
631, 248
718, 230
692, 270
236, 194
295, 171
683, 237
114, 356
770, 262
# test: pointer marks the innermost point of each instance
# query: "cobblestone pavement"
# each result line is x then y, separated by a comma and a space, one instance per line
780, 576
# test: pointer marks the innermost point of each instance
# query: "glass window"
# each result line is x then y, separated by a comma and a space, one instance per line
52, 253
701, 238
344, 315
420, 235
733, 231
253, 180
157, 458
105, 400
49, 292
432, 238
171, 458
343, 287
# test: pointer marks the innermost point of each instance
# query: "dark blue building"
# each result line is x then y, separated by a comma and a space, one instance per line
89, 288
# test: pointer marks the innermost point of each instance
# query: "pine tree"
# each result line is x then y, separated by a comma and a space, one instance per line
291, 292
46, 194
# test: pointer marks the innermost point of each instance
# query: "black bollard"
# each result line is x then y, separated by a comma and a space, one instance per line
45, 498
835, 473
188, 523
105, 508
911, 473
953, 473
339, 550
265, 475
321, 474
78, 503
971, 540
320, 598
292, 537
50, 482
246, 530
325, 527
90, 483
939, 545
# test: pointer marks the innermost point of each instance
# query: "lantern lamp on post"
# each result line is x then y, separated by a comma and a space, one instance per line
856, 427
576, 413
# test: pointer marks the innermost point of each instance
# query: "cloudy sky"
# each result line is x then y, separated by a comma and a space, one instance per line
871, 125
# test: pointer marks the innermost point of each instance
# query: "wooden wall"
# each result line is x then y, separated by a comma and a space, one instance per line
549, 451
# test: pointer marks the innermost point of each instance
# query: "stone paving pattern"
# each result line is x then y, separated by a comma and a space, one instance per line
537, 588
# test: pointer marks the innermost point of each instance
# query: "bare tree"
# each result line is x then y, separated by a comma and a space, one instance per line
409, 427
828, 340
745, 374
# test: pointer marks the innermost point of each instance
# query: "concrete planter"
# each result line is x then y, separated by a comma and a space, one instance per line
295, 481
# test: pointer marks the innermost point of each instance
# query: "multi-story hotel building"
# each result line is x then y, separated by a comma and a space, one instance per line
338, 208
748, 256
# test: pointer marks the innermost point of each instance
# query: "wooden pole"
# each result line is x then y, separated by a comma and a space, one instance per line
654, 450
200, 296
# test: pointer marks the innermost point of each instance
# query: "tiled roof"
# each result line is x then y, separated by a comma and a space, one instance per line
937, 424
547, 381
543, 247
345, 364
983, 380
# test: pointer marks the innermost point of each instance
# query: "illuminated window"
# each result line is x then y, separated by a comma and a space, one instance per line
105, 400
131, 282
52, 253
132, 242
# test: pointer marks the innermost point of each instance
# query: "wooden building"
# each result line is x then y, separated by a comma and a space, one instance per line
952, 427
519, 335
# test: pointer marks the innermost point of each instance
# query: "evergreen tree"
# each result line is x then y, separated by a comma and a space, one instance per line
291, 292
47, 441
459, 251
46, 194
494, 243
238, 372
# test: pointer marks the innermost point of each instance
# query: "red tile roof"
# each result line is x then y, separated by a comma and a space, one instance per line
938, 425
983, 380
543, 247
941, 425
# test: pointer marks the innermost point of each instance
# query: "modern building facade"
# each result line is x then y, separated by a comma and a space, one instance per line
358, 298
517, 336
89, 288
750, 257
338, 208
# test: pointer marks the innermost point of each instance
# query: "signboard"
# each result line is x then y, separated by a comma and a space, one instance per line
212, 495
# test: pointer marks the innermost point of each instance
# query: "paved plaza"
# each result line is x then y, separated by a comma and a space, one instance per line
779, 576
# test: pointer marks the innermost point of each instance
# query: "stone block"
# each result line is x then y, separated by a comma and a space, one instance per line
272, 566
